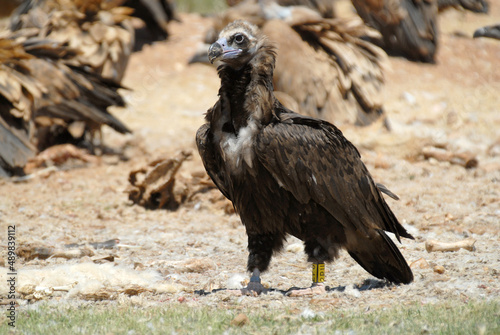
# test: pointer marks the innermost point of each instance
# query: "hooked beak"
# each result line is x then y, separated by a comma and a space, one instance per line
492, 32
221, 51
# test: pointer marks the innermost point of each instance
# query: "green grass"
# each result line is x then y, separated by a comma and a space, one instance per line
447, 318
203, 7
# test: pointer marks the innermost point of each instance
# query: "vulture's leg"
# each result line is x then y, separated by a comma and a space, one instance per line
261, 248
317, 254
318, 284
255, 286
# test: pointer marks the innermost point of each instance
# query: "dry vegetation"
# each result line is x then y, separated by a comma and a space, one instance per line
450, 108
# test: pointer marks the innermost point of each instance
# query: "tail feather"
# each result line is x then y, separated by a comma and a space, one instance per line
380, 257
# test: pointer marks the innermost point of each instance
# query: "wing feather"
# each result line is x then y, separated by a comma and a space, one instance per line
312, 160
211, 161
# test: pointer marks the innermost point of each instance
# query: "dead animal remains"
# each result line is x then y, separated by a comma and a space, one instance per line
155, 186
289, 174
99, 30
45, 101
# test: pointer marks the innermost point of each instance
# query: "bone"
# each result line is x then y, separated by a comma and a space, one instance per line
466, 160
74, 253
433, 245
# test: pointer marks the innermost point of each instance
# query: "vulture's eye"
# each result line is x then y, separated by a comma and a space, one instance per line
239, 38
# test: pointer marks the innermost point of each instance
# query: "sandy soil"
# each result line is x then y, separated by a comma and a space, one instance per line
452, 104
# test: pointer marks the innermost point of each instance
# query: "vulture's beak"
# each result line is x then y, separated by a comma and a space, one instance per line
481, 32
220, 50
491, 32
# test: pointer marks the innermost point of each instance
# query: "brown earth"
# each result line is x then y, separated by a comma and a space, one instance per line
452, 105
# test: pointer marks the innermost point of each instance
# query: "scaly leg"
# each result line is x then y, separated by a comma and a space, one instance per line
261, 248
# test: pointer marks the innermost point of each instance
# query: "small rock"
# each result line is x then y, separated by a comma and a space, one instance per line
168, 288
26, 289
134, 290
494, 148
439, 269
199, 265
420, 264
410, 99
295, 248
240, 320
308, 313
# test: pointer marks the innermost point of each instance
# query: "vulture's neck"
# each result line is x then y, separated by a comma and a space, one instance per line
247, 93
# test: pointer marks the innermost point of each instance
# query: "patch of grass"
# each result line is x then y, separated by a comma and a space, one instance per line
202, 7
480, 317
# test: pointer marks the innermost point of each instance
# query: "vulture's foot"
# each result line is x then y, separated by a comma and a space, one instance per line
315, 289
254, 289
255, 286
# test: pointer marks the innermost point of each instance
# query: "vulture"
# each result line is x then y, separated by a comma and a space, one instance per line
325, 8
489, 31
44, 100
408, 27
325, 68
100, 30
329, 70
475, 6
155, 14
289, 174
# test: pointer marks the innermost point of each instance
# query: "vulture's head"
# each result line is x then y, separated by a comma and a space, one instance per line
237, 44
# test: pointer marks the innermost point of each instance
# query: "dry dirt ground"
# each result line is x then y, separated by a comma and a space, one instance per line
164, 256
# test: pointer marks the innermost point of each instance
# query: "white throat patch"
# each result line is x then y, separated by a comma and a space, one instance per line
239, 148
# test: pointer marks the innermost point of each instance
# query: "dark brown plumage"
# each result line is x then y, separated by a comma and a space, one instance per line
8, 6
408, 27
289, 174
155, 14
475, 6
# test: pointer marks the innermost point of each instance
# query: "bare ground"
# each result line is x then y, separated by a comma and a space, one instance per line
452, 105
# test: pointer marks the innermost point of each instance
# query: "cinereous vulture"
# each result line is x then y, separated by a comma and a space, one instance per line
289, 174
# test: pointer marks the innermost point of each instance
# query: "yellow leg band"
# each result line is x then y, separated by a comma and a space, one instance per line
318, 273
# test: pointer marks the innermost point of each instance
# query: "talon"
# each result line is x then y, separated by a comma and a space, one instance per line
254, 288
